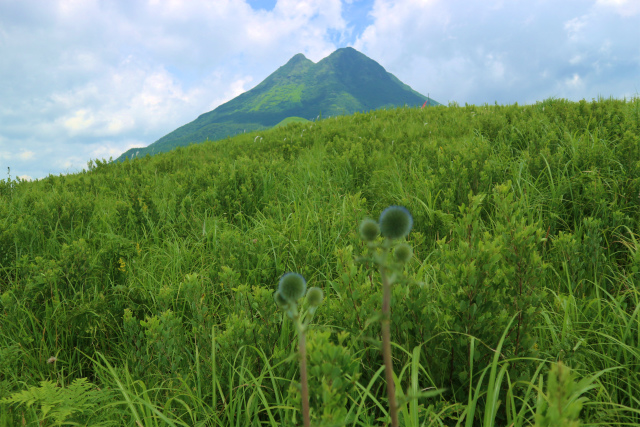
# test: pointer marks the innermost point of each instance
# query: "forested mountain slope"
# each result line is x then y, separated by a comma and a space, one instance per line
342, 83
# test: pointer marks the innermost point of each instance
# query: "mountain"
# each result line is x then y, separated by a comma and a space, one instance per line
342, 83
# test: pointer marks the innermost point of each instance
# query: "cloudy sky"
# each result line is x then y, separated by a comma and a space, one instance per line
87, 79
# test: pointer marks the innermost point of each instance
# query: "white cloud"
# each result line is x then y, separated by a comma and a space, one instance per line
396, 23
574, 27
79, 121
479, 52
26, 155
495, 66
235, 88
626, 8
576, 59
574, 81
106, 150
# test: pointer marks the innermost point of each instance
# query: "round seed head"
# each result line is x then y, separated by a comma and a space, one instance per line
292, 287
280, 301
395, 222
315, 296
369, 230
403, 252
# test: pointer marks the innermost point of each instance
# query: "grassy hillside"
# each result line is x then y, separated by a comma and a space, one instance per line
141, 293
291, 120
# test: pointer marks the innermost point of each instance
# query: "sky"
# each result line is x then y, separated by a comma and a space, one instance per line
89, 79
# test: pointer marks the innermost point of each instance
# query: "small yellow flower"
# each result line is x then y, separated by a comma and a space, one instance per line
122, 266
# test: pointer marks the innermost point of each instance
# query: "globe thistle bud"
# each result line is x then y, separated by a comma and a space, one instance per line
280, 301
403, 252
395, 222
315, 296
292, 287
369, 230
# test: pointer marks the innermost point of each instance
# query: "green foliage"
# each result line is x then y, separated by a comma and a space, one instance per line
155, 277
333, 375
288, 120
54, 405
561, 405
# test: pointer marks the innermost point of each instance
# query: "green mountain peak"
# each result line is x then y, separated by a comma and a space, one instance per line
344, 82
298, 58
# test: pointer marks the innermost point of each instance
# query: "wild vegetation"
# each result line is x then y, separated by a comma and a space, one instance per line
142, 293
291, 120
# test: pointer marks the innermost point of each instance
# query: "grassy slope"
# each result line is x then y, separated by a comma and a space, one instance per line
289, 120
129, 272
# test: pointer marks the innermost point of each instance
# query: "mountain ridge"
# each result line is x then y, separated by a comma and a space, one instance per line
344, 82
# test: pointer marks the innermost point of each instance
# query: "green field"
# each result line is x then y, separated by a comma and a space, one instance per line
141, 293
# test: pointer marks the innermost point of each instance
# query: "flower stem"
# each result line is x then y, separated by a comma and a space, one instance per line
303, 375
386, 346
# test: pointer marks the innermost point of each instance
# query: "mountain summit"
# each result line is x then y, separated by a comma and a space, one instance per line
342, 83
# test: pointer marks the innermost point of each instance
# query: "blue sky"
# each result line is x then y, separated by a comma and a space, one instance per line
87, 79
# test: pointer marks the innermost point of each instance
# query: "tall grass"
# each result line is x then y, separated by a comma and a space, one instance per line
151, 281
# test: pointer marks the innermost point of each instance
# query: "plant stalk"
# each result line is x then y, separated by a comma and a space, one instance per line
386, 347
303, 376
